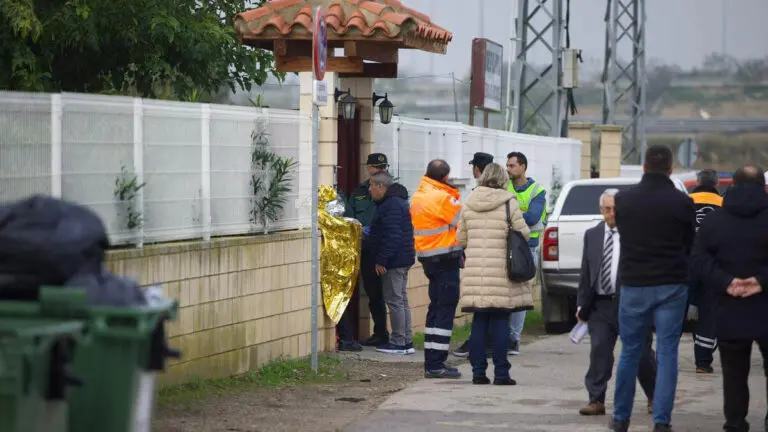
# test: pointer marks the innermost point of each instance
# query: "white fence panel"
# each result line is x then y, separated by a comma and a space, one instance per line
97, 140
231, 192
25, 145
172, 170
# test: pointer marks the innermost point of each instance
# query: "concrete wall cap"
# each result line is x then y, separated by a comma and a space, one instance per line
610, 128
580, 125
197, 245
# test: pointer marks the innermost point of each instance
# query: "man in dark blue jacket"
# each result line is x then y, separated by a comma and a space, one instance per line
731, 252
391, 244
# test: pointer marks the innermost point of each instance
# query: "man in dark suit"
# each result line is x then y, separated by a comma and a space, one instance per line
599, 305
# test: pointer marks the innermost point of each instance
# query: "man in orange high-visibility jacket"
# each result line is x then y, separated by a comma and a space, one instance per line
435, 212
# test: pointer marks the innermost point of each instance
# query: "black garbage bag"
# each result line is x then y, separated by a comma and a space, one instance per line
47, 241
108, 289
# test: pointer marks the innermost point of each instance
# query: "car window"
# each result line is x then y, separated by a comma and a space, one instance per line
585, 199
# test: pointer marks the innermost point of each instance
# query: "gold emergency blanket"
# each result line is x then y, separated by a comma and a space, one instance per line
339, 255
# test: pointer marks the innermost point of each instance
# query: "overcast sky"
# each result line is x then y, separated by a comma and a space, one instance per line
679, 32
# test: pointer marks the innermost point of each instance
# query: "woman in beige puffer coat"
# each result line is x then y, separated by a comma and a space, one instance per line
485, 289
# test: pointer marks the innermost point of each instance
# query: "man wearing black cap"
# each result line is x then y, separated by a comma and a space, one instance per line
361, 206
479, 162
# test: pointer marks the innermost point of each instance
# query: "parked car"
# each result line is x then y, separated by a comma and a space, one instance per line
725, 178
576, 210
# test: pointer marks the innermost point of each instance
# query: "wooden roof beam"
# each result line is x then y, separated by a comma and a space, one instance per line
304, 64
378, 52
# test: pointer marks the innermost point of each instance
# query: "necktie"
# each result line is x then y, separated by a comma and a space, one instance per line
605, 268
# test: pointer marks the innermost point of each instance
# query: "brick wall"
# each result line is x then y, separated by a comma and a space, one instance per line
243, 301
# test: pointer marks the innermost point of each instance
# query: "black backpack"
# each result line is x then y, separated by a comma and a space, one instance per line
520, 265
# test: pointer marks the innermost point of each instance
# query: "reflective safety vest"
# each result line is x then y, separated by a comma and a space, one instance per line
435, 211
524, 200
705, 203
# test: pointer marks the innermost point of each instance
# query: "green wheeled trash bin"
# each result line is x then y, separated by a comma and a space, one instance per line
127, 348
35, 373
124, 349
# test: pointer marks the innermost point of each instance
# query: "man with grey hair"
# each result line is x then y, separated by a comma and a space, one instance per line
598, 303
391, 244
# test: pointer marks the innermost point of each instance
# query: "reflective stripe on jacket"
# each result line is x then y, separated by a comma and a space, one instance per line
705, 202
524, 199
435, 211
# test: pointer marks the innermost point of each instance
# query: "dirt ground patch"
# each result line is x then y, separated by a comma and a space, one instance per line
314, 407
355, 387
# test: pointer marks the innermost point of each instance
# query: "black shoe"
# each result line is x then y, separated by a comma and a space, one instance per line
481, 380
376, 340
449, 367
350, 346
658, 427
444, 373
618, 426
704, 370
514, 348
504, 381
463, 350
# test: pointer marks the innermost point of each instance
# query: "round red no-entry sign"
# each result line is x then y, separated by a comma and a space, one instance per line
319, 45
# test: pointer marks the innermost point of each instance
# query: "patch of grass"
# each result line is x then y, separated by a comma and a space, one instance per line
460, 334
278, 373
533, 319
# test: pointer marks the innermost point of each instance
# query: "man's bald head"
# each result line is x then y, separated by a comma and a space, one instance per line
749, 174
438, 169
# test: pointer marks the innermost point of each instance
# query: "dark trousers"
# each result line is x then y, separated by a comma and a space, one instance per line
735, 359
704, 341
373, 289
603, 332
344, 328
497, 325
443, 299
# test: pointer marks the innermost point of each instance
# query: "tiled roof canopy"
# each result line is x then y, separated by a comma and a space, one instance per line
386, 21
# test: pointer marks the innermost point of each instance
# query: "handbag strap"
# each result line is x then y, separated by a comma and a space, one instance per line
509, 217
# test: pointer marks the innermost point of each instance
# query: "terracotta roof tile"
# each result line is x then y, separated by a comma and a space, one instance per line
388, 18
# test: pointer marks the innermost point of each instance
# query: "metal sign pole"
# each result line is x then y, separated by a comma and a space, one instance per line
315, 237
319, 97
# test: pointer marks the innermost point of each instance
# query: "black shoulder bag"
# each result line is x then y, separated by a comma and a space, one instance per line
520, 265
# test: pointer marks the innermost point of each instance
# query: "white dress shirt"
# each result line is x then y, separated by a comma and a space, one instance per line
615, 257
614, 260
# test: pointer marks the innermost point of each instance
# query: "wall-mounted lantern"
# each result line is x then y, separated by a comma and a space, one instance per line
386, 109
348, 103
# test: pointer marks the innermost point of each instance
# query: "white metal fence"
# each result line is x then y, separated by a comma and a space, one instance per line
195, 159
412, 143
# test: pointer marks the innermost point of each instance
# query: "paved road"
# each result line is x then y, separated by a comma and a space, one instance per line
549, 393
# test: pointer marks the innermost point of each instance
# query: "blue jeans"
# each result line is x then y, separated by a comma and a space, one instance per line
639, 307
517, 319
494, 323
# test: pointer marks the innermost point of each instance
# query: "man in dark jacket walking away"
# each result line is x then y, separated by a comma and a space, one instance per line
706, 199
657, 227
731, 251
391, 244
361, 206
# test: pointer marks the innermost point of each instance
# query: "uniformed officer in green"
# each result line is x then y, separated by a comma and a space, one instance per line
360, 206
533, 202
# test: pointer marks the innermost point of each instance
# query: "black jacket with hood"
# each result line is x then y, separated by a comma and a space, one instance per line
733, 243
391, 237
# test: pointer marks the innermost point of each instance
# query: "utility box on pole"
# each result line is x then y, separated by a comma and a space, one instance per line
571, 68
